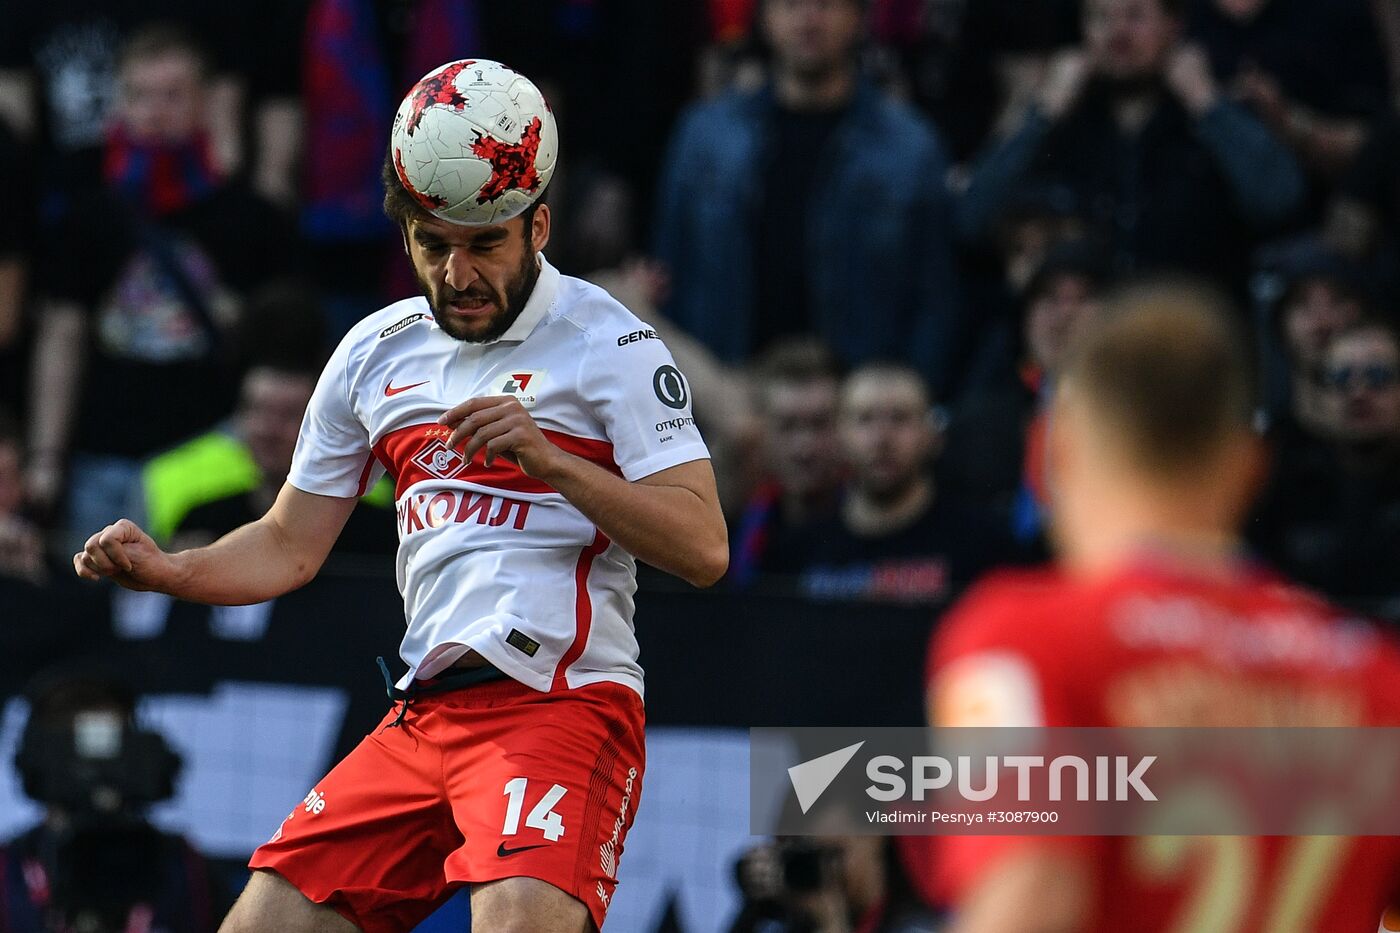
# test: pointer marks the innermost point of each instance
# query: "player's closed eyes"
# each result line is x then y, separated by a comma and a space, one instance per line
1374, 376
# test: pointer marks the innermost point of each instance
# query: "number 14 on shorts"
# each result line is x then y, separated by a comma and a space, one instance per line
542, 815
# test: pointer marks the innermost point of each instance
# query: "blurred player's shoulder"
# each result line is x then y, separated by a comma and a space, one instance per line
989, 655
1012, 604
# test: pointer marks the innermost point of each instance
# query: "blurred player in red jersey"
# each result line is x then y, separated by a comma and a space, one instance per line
1152, 465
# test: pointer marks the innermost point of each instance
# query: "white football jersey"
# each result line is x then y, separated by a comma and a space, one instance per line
492, 559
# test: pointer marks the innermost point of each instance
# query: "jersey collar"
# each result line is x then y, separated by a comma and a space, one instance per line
537, 306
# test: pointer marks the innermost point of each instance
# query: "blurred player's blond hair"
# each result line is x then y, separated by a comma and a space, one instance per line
1167, 373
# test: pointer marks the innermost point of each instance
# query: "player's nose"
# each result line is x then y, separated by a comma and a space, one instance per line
461, 273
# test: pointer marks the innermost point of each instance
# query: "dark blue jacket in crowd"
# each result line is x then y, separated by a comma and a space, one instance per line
879, 243
1183, 194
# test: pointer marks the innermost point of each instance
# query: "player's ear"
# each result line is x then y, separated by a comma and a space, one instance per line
1255, 458
539, 228
403, 237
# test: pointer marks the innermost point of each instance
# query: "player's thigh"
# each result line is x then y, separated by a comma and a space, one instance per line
271, 902
527, 905
548, 790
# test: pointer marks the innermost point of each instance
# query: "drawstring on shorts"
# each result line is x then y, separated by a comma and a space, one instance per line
455, 681
405, 697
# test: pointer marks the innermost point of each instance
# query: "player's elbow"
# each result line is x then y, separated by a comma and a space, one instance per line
710, 565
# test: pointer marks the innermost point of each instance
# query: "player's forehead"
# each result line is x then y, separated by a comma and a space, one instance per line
441, 231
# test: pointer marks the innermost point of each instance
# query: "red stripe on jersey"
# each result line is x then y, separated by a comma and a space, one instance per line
364, 475
419, 452
583, 609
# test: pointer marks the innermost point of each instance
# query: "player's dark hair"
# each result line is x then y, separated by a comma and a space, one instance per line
1168, 372
402, 208
159, 39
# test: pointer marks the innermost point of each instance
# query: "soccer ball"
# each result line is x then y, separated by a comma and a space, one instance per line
474, 142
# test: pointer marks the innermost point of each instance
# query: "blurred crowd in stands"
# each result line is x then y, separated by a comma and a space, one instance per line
867, 228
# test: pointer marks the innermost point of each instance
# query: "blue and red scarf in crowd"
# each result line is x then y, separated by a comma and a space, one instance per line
159, 178
350, 97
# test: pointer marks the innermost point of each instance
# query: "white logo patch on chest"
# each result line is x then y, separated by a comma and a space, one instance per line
524, 384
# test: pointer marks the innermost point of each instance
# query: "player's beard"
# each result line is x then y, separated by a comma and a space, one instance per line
508, 304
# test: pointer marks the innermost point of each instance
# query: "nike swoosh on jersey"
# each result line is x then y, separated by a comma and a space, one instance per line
389, 389
502, 851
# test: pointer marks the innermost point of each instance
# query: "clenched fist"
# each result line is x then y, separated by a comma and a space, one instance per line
126, 554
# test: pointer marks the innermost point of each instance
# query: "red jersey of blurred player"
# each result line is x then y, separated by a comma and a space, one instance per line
1152, 619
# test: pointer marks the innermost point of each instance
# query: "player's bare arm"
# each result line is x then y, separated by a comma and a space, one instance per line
671, 519
264, 559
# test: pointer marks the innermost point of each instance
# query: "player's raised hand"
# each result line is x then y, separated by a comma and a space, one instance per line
126, 554
502, 426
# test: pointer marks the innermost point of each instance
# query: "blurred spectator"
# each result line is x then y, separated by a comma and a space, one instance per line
796, 387
1036, 219
16, 250
145, 289
21, 546
268, 423
964, 61
1171, 173
813, 205
830, 884
1320, 292
1314, 76
1364, 220
896, 536
1334, 521
96, 863
723, 406
59, 81
275, 32
994, 450
361, 57
283, 330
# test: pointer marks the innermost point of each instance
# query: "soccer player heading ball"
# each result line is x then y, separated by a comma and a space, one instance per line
538, 446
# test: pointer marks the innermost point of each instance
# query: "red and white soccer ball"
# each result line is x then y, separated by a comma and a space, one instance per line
474, 142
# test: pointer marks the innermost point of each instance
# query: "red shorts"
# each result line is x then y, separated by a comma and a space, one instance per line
492, 781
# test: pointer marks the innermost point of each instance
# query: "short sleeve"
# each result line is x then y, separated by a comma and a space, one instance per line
333, 455
991, 660
644, 402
